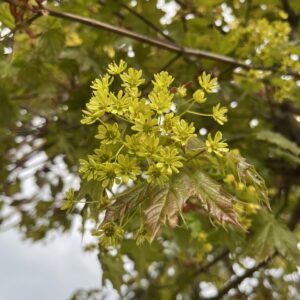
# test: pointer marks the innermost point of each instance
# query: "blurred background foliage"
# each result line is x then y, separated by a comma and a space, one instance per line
48, 59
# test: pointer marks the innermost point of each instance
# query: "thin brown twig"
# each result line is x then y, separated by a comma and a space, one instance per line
237, 280
149, 23
170, 46
207, 266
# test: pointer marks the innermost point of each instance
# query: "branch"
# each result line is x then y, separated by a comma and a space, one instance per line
148, 40
237, 280
216, 258
170, 46
154, 27
149, 23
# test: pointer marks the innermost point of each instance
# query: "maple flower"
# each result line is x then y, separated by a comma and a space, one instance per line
141, 235
109, 134
149, 146
161, 101
216, 145
115, 69
102, 85
210, 85
108, 173
199, 96
219, 114
132, 78
252, 208
156, 175
202, 236
100, 103
162, 80
183, 132
69, 199
207, 247
169, 121
89, 168
229, 179
181, 91
169, 160
119, 103
137, 107
128, 168
133, 142
145, 124
104, 153
110, 234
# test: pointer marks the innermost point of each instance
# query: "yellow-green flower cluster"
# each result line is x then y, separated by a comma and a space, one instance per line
204, 246
110, 235
143, 138
216, 145
262, 39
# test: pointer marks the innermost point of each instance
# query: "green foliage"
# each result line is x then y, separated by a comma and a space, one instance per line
160, 164
272, 237
278, 140
153, 160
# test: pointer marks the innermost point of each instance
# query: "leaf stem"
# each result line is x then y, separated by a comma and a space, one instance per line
120, 149
199, 114
187, 109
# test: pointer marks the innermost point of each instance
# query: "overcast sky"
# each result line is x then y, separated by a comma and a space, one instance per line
45, 271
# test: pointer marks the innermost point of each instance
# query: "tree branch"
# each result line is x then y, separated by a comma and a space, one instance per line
237, 280
148, 40
216, 258
149, 23
170, 46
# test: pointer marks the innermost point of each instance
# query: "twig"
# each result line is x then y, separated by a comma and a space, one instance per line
149, 23
217, 258
149, 40
170, 46
237, 280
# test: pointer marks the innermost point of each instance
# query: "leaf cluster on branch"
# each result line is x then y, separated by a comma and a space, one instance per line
149, 161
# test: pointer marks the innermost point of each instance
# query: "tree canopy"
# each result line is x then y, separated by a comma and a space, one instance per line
171, 128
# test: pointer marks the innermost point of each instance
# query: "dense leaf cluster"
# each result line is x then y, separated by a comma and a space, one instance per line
146, 142
153, 162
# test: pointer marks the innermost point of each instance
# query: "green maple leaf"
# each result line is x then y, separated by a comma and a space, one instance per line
113, 269
270, 236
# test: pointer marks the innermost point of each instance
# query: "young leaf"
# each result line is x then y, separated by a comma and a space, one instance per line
287, 156
213, 198
91, 190
166, 202
125, 203
247, 174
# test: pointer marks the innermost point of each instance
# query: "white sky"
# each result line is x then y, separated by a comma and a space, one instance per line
49, 271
